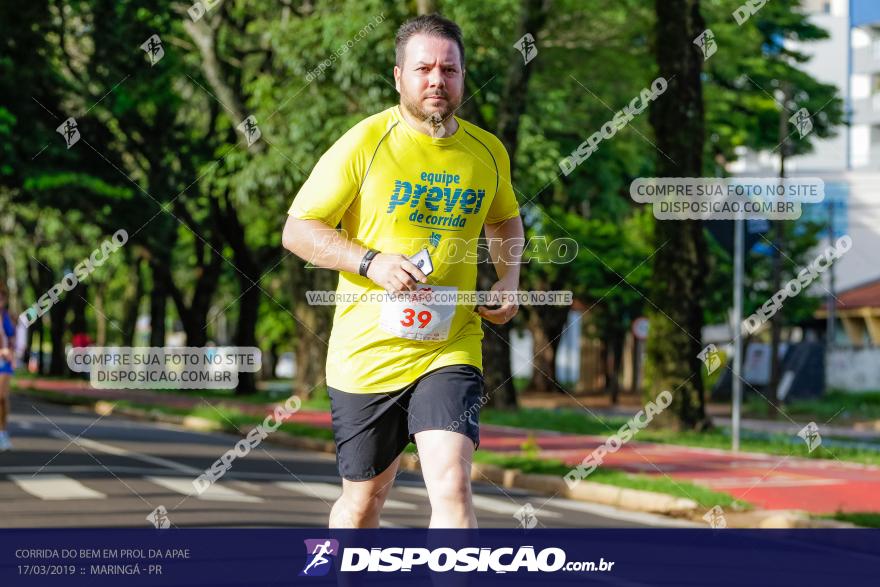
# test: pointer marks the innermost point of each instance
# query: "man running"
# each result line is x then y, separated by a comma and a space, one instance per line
411, 177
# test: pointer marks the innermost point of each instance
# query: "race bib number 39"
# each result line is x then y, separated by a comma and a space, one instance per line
425, 314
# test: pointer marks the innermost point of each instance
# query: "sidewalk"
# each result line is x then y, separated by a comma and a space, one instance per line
769, 481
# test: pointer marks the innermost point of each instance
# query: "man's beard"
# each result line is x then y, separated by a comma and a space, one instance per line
414, 107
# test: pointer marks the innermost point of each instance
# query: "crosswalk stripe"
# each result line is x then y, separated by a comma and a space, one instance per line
55, 487
214, 492
496, 505
123, 452
386, 524
330, 492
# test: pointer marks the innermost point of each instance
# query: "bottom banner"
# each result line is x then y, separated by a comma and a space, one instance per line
65, 557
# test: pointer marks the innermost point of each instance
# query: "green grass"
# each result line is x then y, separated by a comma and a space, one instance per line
866, 519
560, 420
705, 497
25, 374
577, 421
232, 420
836, 406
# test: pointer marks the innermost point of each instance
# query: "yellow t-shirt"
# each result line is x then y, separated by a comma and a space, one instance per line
397, 190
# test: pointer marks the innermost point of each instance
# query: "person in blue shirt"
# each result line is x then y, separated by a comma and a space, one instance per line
7, 361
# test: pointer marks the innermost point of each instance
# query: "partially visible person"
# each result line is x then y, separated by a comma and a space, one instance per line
82, 340
7, 364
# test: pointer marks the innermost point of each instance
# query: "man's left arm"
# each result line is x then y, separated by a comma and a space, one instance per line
506, 240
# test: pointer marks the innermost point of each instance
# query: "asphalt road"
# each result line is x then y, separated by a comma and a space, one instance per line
72, 468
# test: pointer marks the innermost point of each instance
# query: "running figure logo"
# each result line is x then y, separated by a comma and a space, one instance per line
802, 121
711, 358
810, 434
159, 518
154, 50
526, 45
69, 131
526, 516
321, 552
706, 42
250, 130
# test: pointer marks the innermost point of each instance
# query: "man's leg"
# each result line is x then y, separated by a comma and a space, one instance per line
370, 432
362, 501
445, 458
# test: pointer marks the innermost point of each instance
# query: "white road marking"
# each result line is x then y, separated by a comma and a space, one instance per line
215, 492
123, 452
496, 505
330, 492
55, 487
384, 524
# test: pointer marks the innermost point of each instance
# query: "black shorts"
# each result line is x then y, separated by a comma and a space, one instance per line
372, 429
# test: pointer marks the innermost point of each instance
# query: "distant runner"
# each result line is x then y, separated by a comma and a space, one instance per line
411, 178
7, 365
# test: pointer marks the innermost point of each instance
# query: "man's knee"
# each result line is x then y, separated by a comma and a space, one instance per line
453, 485
363, 503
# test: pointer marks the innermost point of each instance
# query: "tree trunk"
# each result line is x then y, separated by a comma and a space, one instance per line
679, 267
776, 278
208, 267
613, 363
29, 346
587, 353
775, 321
131, 304
546, 326
194, 317
248, 264
496, 339
313, 324
497, 373
57, 328
41, 362
78, 303
246, 330
38, 283
100, 316
158, 300
270, 360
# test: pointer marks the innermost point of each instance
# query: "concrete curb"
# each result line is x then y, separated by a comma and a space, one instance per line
779, 519
622, 497
588, 491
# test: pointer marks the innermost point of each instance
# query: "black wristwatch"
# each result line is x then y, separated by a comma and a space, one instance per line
365, 262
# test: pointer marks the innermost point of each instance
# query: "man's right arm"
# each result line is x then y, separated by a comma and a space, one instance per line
325, 247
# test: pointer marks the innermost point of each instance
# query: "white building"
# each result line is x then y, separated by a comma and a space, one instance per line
849, 163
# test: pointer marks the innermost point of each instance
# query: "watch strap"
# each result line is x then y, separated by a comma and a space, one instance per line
365, 262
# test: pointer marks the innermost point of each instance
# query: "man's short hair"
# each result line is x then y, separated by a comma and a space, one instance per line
427, 24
